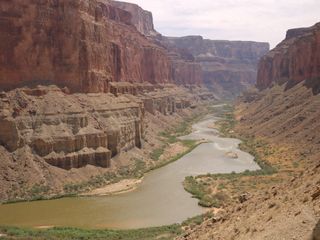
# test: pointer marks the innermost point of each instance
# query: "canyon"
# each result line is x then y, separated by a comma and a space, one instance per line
84, 82
90, 92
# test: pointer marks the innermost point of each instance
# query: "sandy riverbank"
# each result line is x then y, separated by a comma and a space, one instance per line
123, 186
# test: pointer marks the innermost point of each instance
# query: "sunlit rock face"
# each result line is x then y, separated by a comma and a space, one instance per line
141, 19
184, 69
83, 45
295, 59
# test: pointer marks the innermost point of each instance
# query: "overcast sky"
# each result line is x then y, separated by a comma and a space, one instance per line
256, 20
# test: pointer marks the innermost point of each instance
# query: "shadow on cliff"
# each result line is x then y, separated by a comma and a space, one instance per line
316, 232
313, 83
32, 84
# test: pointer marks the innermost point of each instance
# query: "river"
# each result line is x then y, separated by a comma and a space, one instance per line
159, 200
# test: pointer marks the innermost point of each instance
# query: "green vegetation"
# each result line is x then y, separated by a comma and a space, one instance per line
200, 187
171, 136
169, 232
248, 144
227, 124
35, 193
199, 191
136, 171
156, 154
162, 233
197, 220
189, 143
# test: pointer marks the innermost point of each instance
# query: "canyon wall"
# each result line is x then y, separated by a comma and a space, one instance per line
74, 130
229, 67
86, 45
295, 59
80, 44
77, 78
184, 69
287, 106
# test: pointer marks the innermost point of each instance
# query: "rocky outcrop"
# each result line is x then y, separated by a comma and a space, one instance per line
53, 138
74, 131
295, 59
81, 129
229, 67
141, 19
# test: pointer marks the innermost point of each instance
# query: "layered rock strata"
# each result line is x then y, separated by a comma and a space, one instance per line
295, 59
83, 45
49, 137
71, 131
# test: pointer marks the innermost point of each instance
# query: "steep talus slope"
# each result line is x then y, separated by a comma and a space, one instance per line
286, 211
229, 67
288, 120
285, 114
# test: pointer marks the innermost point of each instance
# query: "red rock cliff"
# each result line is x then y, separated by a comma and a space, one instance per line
81, 44
184, 71
141, 19
295, 59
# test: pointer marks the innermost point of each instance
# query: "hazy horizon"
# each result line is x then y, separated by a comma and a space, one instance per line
247, 20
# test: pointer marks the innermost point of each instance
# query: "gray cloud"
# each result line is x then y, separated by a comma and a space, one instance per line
256, 20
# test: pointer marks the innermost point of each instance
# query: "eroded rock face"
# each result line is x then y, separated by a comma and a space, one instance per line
184, 69
74, 130
229, 67
70, 131
295, 59
81, 44
141, 19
